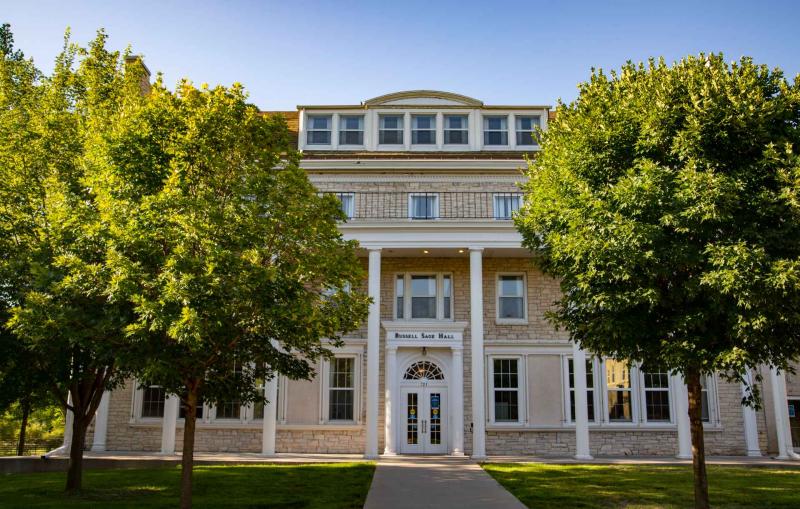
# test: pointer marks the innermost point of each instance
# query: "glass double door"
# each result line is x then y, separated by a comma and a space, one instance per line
423, 420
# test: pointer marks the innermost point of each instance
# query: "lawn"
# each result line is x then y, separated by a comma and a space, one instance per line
330, 485
638, 486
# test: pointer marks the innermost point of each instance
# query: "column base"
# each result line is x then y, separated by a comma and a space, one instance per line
98, 448
584, 457
389, 453
754, 454
459, 454
683, 456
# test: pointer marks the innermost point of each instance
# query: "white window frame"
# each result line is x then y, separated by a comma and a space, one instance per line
350, 210
517, 131
712, 393
465, 129
568, 417
439, 296
137, 404
330, 129
522, 400
498, 196
433, 217
511, 321
400, 129
485, 129
345, 353
414, 129
643, 398
634, 391
341, 129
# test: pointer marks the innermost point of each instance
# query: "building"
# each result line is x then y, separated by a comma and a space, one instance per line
456, 357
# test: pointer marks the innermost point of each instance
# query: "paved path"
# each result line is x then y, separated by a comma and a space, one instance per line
436, 482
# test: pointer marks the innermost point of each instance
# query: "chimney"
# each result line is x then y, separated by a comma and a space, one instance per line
145, 80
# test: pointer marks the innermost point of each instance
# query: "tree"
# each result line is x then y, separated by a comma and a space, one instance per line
55, 281
233, 262
667, 200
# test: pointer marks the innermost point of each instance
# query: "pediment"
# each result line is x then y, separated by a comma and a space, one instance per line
423, 98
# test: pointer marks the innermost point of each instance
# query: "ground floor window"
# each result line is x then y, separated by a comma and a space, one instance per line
152, 402
589, 389
505, 390
656, 394
618, 391
341, 399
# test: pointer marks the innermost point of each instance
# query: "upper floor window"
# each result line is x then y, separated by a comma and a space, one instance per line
495, 130
456, 130
319, 130
348, 203
526, 130
511, 297
423, 206
506, 204
391, 130
351, 130
424, 296
423, 129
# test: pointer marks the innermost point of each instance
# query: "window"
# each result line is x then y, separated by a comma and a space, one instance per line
399, 292
526, 130
511, 297
656, 395
618, 382
704, 400
198, 410
506, 204
423, 206
319, 130
424, 370
258, 406
495, 130
423, 129
152, 401
423, 297
391, 130
456, 130
229, 409
505, 390
351, 130
341, 389
348, 203
589, 389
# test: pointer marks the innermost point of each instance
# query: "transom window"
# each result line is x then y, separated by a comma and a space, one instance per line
341, 397
423, 297
423, 206
526, 130
319, 130
423, 129
505, 390
424, 370
351, 130
495, 130
511, 297
391, 130
506, 204
456, 130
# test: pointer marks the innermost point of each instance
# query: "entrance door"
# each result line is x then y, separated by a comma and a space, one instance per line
794, 421
423, 420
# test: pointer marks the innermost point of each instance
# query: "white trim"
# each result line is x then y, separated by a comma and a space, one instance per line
359, 178
522, 401
511, 165
407, 297
325, 388
433, 216
511, 321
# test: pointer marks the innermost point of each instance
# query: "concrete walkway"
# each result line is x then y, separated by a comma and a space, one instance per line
435, 482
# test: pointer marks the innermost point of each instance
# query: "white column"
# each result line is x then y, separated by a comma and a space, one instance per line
390, 395
581, 408
476, 332
169, 423
781, 409
457, 402
373, 354
750, 423
101, 424
682, 417
270, 421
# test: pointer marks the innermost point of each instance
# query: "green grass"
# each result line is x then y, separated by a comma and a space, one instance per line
639, 486
330, 485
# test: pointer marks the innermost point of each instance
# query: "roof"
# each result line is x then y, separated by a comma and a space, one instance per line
292, 121
421, 99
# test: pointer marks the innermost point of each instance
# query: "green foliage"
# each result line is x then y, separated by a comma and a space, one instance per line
45, 423
666, 201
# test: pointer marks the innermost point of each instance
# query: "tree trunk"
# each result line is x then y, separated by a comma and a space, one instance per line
75, 468
698, 442
26, 410
187, 460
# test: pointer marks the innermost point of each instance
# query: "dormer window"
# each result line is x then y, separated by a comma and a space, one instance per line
391, 130
351, 130
456, 130
495, 130
526, 130
423, 130
319, 130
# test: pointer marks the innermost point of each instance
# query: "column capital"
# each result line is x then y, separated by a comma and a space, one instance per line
475, 249
391, 349
374, 249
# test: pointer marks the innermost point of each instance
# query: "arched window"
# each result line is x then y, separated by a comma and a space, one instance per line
424, 370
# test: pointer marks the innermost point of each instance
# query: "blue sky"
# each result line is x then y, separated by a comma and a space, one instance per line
342, 52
